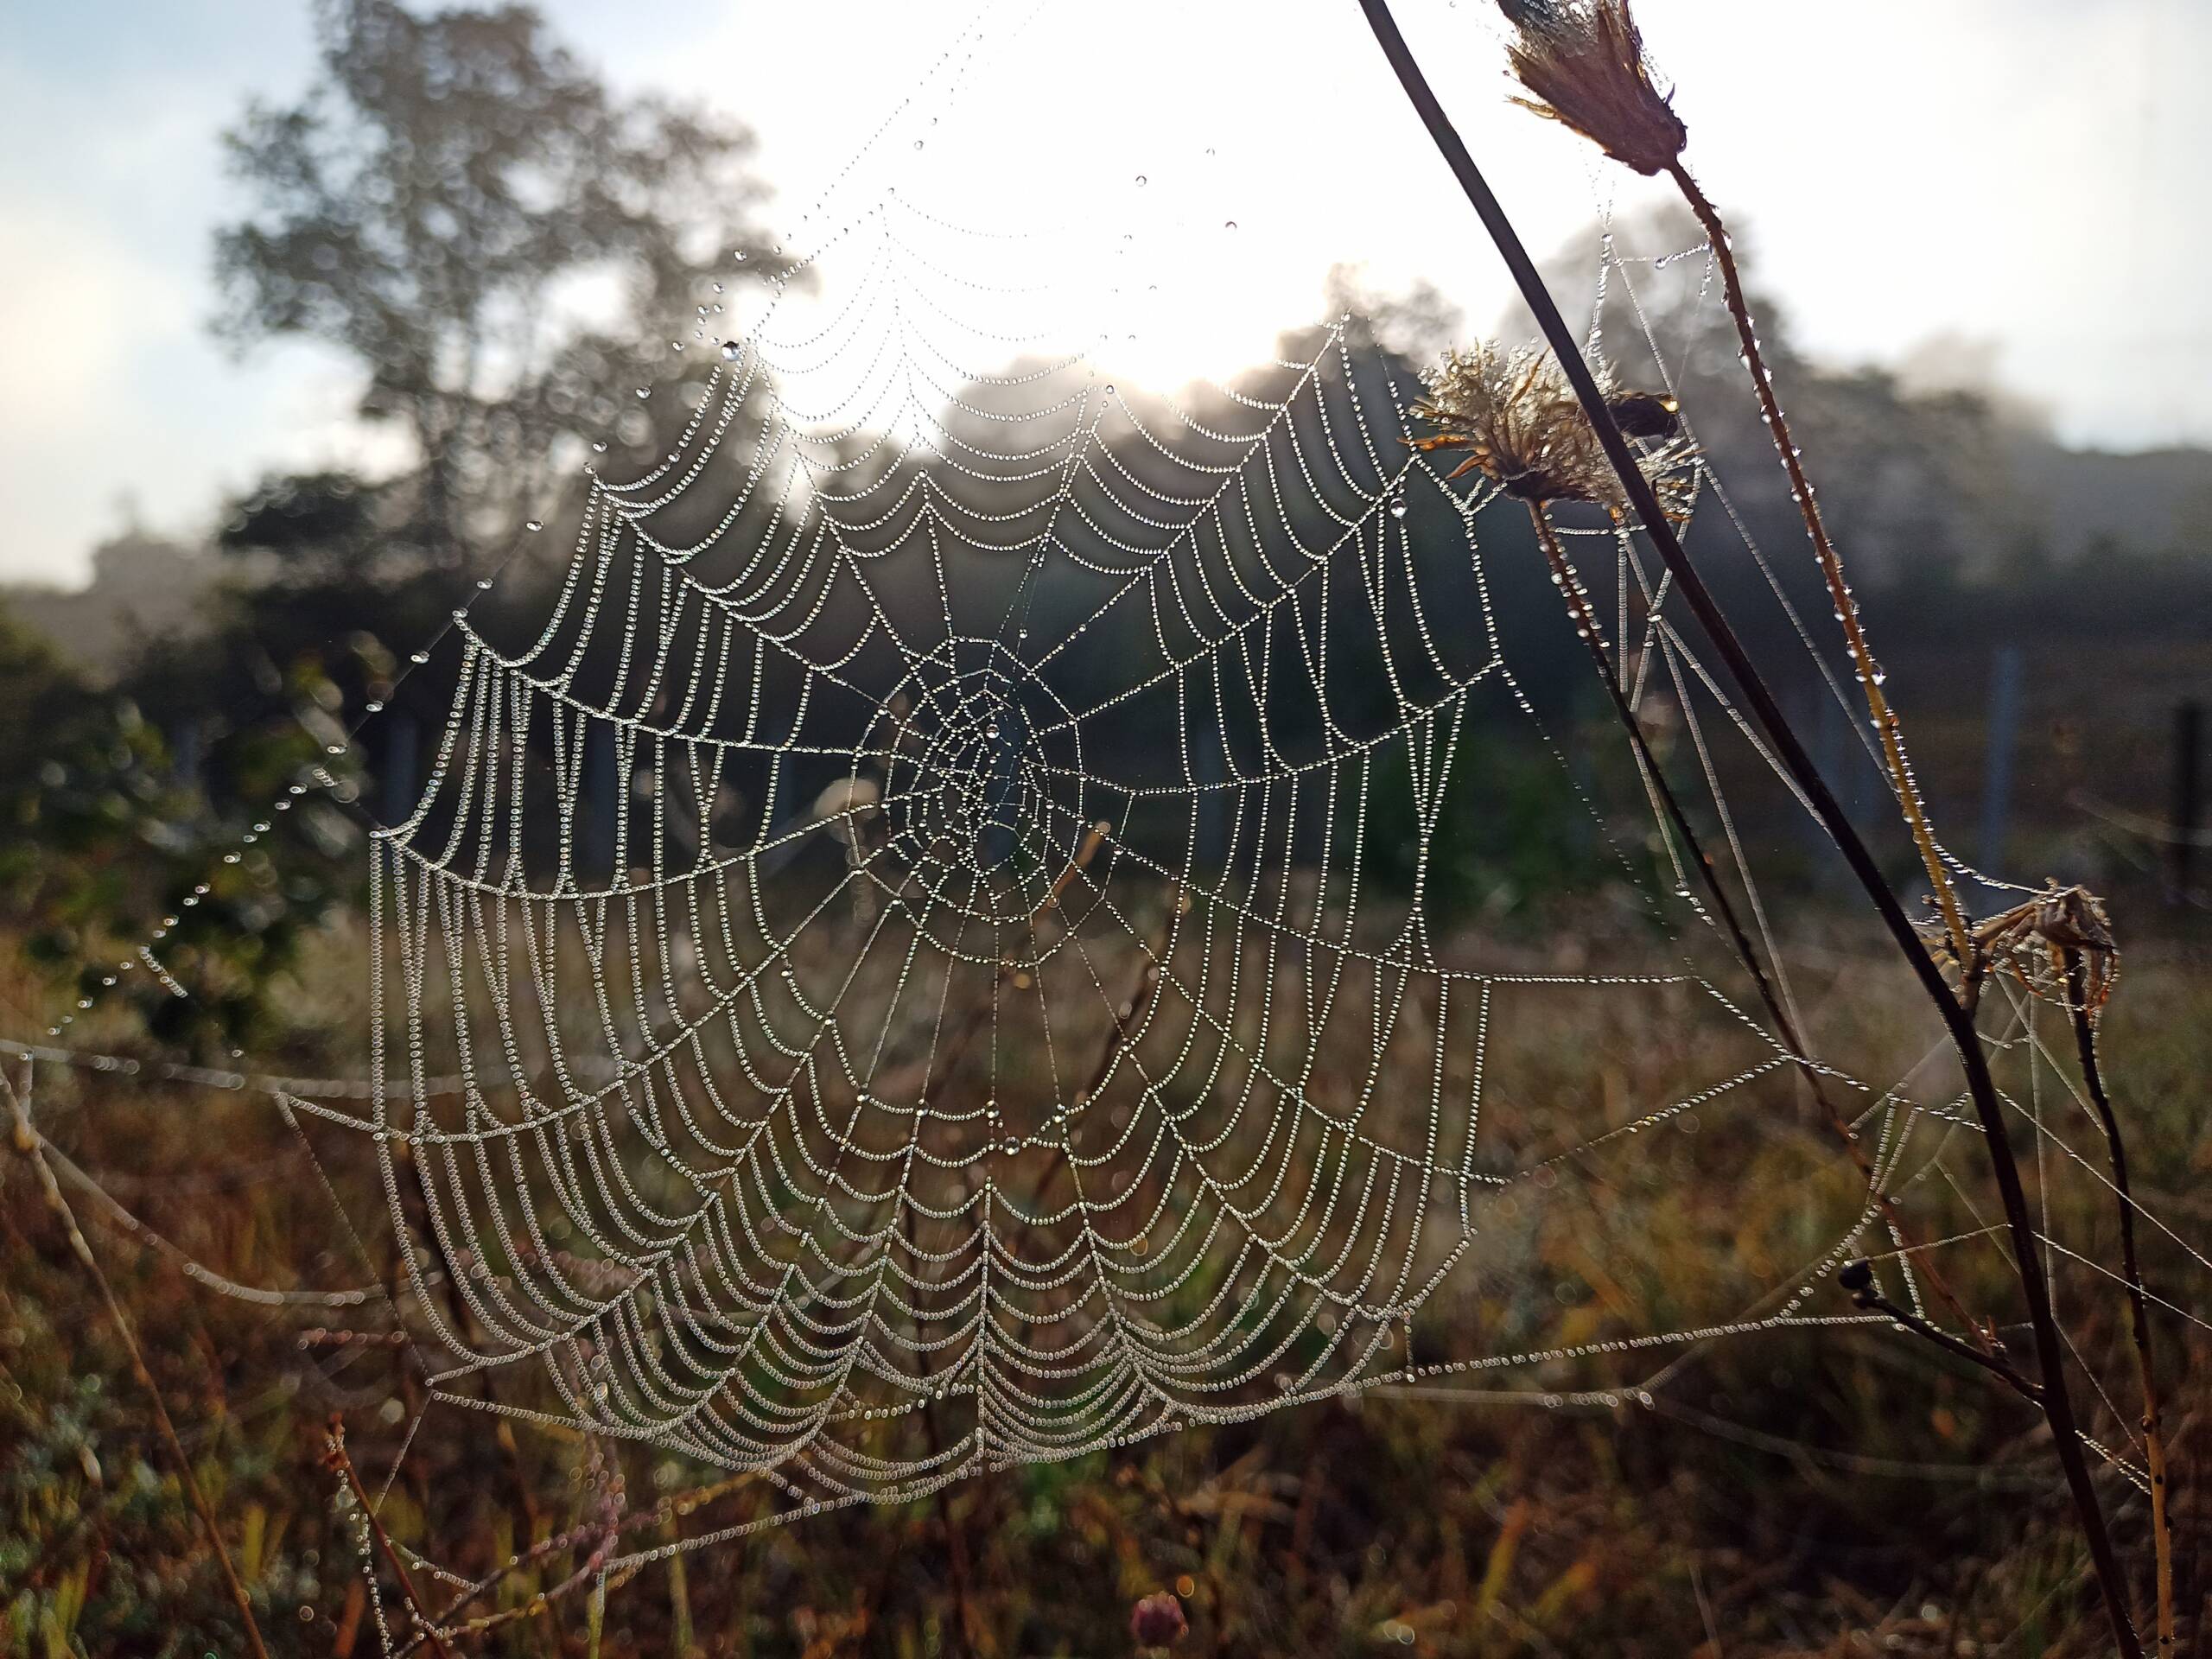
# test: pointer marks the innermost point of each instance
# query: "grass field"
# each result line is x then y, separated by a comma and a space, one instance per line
1797, 1491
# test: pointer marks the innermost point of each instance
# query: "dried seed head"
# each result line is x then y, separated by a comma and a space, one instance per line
1515, 414
1158, 1621
1583, 63
2033, 944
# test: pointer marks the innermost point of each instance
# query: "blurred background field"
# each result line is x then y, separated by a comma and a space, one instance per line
1814, 1491
484, 238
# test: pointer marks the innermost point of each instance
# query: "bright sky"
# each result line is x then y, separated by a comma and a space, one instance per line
2022, 173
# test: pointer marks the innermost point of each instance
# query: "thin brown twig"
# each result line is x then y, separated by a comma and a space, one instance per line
2154, 1438
1886, 725
32, 1145
1865, 1296
336, 1459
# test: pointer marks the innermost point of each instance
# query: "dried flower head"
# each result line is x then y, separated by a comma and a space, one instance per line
1583, 62
1515, 414
1158, 1621
2035, 942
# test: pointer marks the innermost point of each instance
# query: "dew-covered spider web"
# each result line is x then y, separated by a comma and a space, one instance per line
945, 939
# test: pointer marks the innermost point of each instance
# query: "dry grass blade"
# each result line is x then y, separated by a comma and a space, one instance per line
31, 1145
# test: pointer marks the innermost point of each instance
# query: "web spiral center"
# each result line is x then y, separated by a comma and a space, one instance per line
983, 781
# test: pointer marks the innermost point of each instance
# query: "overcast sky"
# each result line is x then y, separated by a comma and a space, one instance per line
2025, 175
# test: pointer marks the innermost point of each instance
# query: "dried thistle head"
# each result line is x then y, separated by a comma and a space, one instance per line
1158, 1621
1517, 416
1583, 63
2036, 942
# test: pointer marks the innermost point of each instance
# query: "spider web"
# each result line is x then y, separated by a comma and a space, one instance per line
982, 1019
889, 978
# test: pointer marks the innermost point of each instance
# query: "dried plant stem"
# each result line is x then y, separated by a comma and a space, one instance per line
1789, 749
1995, 1364
32, 1145
341, 1463
1846, 608
2139, 1314
1586, 622
683, 1643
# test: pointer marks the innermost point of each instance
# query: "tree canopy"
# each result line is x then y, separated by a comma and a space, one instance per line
493, 235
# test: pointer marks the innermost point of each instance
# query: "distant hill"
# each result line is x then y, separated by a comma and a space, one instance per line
2154, 501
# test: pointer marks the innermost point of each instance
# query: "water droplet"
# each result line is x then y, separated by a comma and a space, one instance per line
533, 526
1142, 181
645, 392
732, 351
1398, 507
1228, 225
918, 143
600, 448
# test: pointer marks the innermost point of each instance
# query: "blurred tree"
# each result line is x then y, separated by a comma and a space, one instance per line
1921, 481
503, 245
105, 842
498, 240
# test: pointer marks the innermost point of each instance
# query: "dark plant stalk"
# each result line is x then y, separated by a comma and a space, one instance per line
1586, 621
2057, 1404
2138, 1312
32, 1146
